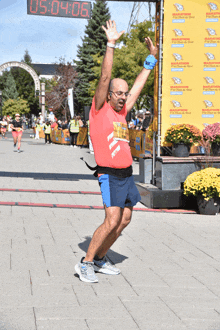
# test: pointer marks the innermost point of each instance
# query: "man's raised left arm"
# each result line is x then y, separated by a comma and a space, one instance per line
141, 79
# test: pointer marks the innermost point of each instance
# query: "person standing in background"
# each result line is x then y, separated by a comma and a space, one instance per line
47, 132
74, 131
38, 129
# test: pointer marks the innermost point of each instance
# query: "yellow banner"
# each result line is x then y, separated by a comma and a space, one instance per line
191, 63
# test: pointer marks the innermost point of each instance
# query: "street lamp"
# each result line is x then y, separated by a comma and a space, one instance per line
1, 102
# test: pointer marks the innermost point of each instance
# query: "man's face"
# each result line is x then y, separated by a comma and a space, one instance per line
117, 97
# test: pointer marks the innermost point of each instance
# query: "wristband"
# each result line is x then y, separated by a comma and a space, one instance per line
150, 62
110, 45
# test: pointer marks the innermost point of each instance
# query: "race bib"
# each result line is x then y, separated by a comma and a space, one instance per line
121, 132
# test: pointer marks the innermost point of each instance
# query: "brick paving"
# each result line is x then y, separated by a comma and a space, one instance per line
170, 262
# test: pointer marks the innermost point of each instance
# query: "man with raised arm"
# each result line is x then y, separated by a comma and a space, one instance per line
110, 139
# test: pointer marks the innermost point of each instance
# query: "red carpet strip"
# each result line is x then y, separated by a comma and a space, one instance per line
88, 207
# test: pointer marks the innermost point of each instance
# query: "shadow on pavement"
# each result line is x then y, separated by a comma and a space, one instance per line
115, 257
52, 176
48, 176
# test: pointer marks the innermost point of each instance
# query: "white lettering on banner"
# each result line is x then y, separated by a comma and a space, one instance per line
115, 151
111, 145
110, 136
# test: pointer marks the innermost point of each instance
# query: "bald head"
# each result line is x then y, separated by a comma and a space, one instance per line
116, 83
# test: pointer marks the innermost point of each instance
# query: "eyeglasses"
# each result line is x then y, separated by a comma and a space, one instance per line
119, 93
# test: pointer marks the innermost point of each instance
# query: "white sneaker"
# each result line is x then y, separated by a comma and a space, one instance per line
105, 266
86, 272
74, 146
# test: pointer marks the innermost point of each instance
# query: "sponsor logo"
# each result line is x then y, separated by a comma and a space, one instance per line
211, 32
177, 57
210, 56
178, 32
208, 104
212, 6
178, 7
176, 104
209, 80
177, 80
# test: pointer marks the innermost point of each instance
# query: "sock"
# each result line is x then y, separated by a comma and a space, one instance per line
97, 258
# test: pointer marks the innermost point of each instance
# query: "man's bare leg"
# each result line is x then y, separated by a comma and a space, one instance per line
104, 232
125, 220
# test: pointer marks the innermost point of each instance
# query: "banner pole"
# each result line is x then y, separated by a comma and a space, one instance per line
160, 80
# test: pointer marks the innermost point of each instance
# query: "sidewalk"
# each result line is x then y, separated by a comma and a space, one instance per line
170, 262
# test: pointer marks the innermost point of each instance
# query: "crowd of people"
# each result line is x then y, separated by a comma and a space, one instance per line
140, 121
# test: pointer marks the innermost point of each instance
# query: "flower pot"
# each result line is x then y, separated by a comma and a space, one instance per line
210, 207
181, 150
215, 148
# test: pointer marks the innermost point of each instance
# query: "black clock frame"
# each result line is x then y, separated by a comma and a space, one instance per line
59, 8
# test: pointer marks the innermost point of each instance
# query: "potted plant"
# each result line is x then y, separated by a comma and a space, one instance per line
205, 185
211, 133
182, 137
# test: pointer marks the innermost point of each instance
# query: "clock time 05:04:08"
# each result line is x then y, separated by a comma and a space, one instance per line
59, 8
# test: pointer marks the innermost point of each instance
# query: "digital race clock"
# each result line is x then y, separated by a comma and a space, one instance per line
59, 8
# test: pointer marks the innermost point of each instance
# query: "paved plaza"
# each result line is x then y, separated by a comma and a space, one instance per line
170, 262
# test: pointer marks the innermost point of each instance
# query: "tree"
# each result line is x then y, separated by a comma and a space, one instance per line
25, 84
58, 96
9, 91
128, 62
93, 42
11, 107
27, 58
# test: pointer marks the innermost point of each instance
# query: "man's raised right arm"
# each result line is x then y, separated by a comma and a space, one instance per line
103, 85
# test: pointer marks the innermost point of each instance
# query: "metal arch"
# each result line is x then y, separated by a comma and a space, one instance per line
26, 67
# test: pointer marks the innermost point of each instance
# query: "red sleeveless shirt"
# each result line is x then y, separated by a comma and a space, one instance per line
110, 136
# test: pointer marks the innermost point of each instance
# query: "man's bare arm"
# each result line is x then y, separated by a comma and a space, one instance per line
102, 89
141, 78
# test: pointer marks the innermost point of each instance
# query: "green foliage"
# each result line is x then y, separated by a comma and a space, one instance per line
128, 62
25, 85
11, 107
9, 91
93, 42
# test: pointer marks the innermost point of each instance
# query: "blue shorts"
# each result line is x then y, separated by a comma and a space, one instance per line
120, 192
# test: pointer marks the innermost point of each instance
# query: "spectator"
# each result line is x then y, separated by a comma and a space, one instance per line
140, 118
34, 128
54, 124
38, 129
59, 124
41, 118
74, 131
65, 125
47, 132
51, 115
147, 120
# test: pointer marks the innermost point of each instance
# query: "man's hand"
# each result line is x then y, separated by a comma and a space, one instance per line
111, 31
153, 49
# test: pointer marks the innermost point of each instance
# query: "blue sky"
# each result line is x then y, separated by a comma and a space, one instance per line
49, 38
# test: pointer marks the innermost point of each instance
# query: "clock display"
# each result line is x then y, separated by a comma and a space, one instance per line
59, 8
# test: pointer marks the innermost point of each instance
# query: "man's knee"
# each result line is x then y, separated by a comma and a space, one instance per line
113, 219
126, 217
